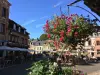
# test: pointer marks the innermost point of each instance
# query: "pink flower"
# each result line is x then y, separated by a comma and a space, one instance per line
76, 26
62, 16
46, 27
69, 29
61, 39
76, 33
69, 19
66, 17
48, 35
72, 14
68, 22
47, 21
67, 33
55, 43
55, 26
62, 33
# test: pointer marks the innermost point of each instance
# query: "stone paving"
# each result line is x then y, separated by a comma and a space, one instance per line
95, 73
20, 69
90, 69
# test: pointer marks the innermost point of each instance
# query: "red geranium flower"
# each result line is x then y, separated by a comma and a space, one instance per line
55, 26
48, 35
76, 33
69, 29
62, 33
61, 39
76, 26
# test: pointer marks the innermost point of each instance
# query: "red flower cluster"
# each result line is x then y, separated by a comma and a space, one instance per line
63, 27
76, 34
62, 35
61, 39
48, 35
76, 26
46, 27
56, 44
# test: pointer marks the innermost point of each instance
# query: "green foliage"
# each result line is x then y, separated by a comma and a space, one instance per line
38, 39
48, 68
43, 37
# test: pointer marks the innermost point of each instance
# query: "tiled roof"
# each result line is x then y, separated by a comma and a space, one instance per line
38, 43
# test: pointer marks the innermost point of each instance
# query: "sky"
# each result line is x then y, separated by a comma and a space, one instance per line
32, 14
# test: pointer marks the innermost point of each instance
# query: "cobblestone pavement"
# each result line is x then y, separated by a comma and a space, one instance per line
19, 69
95, 73
92, 69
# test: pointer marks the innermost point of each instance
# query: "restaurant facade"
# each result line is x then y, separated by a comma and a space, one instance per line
13, 37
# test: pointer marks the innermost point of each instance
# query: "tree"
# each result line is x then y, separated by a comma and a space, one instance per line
68, 32
32, 39
43, 37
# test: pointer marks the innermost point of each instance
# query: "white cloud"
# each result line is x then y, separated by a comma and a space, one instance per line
43, 17
39, 25
58, 4
29, 22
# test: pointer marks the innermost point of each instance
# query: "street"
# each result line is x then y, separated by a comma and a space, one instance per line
21, 69
93, 67
16, 70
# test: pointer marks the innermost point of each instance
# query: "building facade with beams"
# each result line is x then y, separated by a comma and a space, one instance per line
4, 20
11, 33
13, 37
93, 44
17, 35
40, 46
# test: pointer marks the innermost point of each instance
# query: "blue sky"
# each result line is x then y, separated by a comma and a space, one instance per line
32, 14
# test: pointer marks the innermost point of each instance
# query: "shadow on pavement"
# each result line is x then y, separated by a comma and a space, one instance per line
87, 64
16, 70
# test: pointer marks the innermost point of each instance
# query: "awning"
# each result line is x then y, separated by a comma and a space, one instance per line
6, 48
3, 41
19, 49
30, 50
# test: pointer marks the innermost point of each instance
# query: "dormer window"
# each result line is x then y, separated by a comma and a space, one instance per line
19, 29
24, 31
14, 26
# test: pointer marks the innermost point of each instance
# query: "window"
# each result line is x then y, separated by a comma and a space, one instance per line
19, 29
89, 42
24, 31
40, 48
3, 12
98, 42
14, 27
98, 51
33, 43
92, 54
1, 27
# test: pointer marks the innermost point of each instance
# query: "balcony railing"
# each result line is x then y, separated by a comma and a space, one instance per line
12, 44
